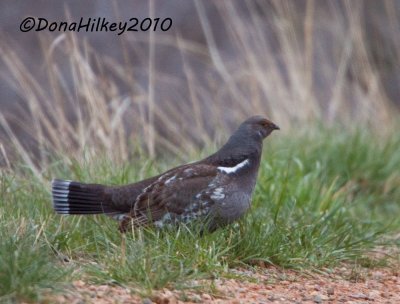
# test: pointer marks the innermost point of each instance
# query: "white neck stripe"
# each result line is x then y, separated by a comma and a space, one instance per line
235, 168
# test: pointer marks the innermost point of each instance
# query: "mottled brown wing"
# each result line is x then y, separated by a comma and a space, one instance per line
174, 191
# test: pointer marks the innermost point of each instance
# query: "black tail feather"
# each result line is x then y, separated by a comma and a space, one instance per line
76, 198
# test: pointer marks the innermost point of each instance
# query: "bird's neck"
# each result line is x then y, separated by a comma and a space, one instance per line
238, 148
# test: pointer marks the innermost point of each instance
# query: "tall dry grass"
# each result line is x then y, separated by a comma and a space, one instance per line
81, 108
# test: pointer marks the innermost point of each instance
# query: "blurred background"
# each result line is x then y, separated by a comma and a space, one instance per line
301, 63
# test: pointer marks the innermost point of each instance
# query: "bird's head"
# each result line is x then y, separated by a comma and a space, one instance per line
246, 140
259, 126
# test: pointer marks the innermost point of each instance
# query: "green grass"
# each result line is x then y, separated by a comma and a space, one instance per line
320, 200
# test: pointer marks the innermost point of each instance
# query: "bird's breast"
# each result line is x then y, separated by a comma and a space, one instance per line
233, 205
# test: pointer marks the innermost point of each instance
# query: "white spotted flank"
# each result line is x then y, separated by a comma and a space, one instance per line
217, 194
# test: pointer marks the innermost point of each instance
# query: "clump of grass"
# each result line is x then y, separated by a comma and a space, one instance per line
26, 268
320, 200
28, 265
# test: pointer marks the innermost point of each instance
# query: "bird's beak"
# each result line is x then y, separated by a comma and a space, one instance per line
275, 127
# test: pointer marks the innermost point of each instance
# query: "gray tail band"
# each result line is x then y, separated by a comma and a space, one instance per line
76, 198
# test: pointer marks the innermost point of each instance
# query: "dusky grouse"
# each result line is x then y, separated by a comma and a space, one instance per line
217, 188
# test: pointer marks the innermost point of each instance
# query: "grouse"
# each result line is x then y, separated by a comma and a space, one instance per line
217, 188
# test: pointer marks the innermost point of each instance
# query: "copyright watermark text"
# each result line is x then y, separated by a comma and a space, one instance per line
100, 24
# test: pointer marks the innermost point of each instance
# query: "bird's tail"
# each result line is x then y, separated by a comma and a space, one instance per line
77, 198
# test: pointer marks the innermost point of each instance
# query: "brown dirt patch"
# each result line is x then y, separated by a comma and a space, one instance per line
268, 285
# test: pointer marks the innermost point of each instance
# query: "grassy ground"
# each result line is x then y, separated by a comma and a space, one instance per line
321, 199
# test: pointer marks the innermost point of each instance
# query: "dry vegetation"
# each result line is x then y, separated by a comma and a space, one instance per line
90, 102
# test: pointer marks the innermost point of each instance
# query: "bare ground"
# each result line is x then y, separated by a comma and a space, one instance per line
264, 285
